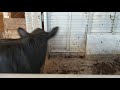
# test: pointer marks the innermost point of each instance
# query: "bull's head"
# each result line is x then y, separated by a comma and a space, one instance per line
35, 46
39, 31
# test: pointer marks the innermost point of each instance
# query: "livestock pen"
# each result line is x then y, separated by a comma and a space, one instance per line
87, 42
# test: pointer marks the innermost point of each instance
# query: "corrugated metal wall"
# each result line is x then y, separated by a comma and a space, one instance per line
78, 29
61, 19
104, 37
102, 22
86, 32
72, 33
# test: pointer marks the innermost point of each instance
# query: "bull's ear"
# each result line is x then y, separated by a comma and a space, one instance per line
22, 32
53, 32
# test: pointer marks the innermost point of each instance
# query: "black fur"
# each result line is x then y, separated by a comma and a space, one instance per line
26, 54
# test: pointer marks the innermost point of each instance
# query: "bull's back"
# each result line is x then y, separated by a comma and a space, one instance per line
13, 59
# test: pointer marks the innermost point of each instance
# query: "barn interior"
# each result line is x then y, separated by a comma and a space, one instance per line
9, 22
70, 62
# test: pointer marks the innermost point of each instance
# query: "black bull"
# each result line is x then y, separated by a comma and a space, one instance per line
26, 54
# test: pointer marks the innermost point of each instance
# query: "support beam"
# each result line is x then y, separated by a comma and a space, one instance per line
45, 21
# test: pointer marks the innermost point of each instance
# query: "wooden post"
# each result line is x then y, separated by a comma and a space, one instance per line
6, 15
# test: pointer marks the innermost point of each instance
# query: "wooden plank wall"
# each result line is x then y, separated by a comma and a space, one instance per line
17, 14
1, 25
11, 25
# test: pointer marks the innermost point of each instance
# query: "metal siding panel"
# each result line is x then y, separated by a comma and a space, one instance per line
99, 44
102, 21
104, 13
78, 28
71, 36
118, 23
57, 13
103, 44
58, 43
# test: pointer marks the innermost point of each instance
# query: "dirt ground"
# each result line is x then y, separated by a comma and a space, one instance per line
90, 65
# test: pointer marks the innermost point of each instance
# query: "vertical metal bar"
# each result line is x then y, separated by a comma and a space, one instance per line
88, 30
69, 31
90, 22
45, 21
46, 29
114, 27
